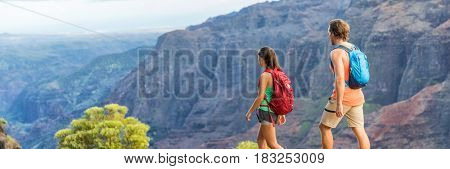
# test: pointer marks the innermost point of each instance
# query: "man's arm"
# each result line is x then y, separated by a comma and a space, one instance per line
339, 72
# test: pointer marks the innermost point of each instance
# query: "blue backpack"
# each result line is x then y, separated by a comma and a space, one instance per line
359, 67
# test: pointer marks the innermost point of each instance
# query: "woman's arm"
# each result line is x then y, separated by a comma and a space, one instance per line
261, 94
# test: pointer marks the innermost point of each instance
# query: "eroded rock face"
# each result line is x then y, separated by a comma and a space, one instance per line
428, 63
421, 121
407, 45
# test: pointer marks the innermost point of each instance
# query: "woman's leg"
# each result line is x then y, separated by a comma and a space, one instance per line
262, 144
269, 133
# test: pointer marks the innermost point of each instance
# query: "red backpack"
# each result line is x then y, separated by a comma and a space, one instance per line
282, 101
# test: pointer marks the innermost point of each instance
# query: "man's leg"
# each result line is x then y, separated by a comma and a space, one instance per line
327, 137
362, 137
355, 119
329, 120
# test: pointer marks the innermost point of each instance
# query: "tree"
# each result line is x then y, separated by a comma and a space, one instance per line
247, 145
104, 128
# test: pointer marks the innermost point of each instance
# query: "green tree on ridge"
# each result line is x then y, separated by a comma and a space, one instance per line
104, 128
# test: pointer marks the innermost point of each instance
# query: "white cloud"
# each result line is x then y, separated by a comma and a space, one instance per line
112, 15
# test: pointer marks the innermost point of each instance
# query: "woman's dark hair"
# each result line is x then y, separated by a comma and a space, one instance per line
270, 57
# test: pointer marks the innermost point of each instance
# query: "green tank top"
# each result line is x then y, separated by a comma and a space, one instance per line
264, 104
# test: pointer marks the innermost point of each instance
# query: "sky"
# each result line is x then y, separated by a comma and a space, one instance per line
109, 15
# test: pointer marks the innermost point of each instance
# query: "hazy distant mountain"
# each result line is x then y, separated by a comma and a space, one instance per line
407, 43
45, 107
25, 59
47, 79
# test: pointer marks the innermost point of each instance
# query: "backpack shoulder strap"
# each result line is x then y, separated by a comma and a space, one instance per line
346, 50
343, 48
267, 70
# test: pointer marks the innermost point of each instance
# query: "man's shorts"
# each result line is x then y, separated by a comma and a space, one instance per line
355, 115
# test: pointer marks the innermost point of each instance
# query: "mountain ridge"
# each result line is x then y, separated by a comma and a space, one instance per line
385, 31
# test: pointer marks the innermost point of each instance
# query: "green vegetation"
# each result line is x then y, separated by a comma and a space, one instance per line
6, 141
247, 145
305, 127
312, 111
3, 122
104, 128
371, 107
10, 139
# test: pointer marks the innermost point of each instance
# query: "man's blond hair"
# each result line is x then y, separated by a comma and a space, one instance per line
340, 29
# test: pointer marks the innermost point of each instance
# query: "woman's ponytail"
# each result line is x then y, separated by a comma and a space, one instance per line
270, 57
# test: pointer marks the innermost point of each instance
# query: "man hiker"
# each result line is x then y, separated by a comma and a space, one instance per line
346, 100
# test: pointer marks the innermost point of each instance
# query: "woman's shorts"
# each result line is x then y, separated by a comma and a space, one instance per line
266, 118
